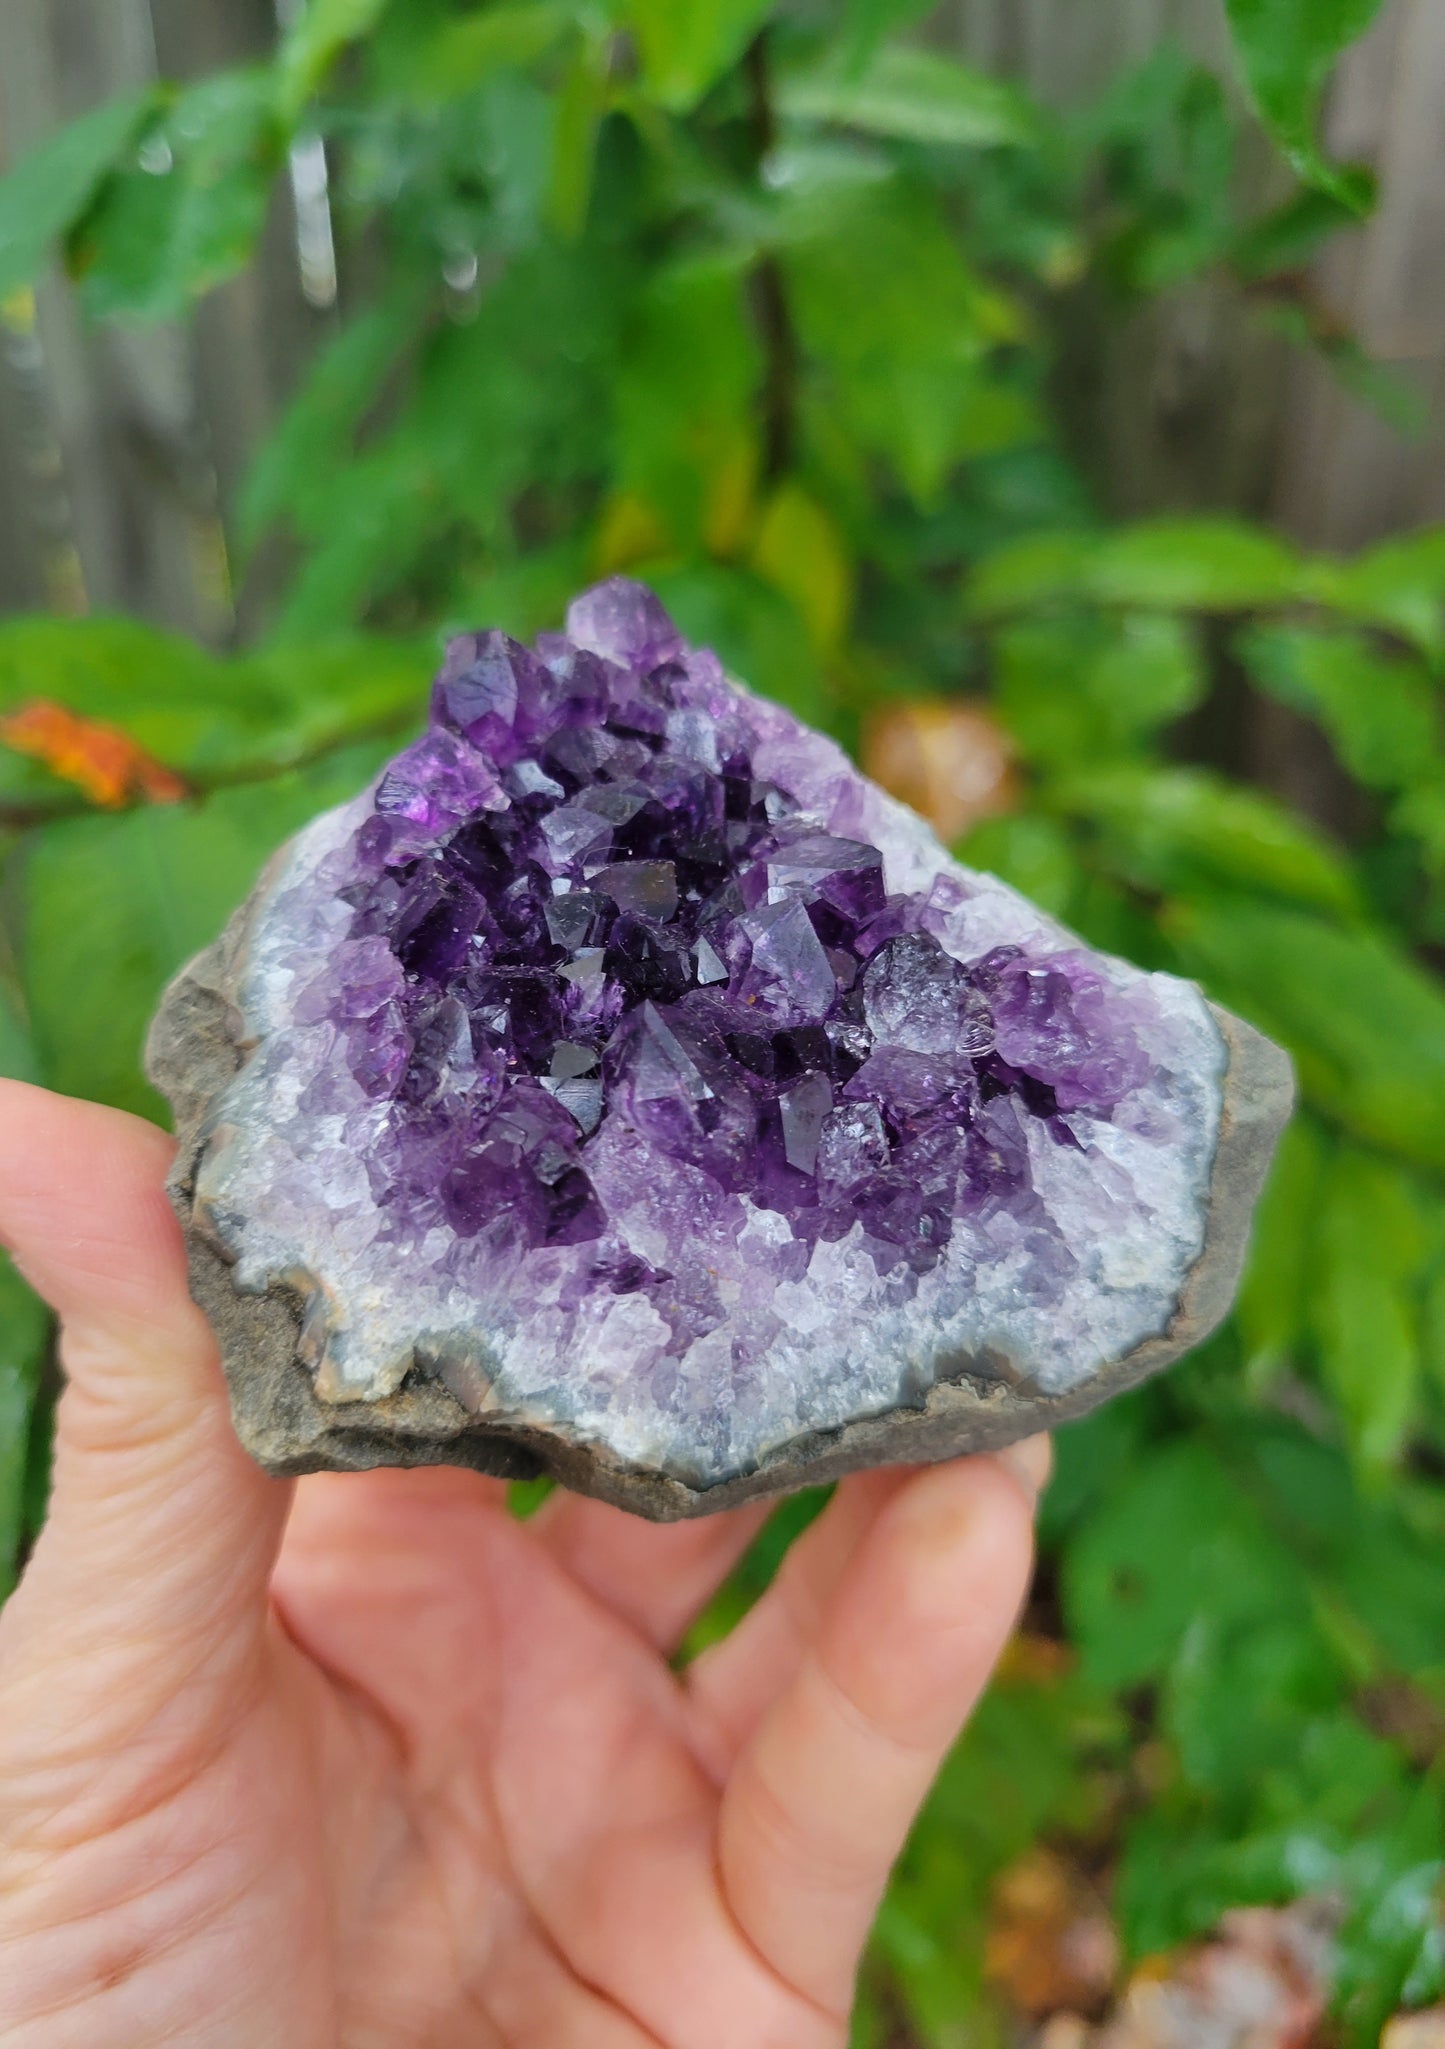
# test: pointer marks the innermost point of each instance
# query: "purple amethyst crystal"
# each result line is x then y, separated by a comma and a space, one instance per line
628, 1065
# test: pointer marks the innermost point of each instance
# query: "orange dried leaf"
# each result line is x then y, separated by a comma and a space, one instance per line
99, 759
951, 761
1051, 1946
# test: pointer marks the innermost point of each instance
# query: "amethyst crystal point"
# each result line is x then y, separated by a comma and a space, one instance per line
623, 1085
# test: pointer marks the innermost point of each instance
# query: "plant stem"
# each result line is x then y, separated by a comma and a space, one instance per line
781, 354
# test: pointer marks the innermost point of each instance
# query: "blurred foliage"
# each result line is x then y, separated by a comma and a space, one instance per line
762, 303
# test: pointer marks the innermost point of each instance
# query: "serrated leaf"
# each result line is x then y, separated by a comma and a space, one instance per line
49, 190
686, 45
1287, 49
913, 94
1379, 710
1366, 1025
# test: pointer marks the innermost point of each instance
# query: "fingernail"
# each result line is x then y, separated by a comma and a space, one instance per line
1030, 1461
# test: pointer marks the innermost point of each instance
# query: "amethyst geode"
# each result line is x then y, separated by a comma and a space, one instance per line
624, 1086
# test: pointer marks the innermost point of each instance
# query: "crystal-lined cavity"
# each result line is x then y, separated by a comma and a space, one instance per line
626, 1058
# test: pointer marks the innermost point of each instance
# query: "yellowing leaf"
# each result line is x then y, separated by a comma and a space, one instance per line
801, 553
628, 532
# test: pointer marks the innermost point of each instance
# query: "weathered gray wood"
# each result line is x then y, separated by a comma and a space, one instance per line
1186, 402
139, 486
1347, 476
254, 336
1177, 403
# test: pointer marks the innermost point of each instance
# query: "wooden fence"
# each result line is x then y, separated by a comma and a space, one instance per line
121, 452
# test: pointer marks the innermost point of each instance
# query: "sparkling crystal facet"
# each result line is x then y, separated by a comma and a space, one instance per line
624, 1041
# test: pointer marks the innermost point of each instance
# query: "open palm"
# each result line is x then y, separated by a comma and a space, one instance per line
364, 1761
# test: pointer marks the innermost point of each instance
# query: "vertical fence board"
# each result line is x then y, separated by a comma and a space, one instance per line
1187, 402
254, 336
1348, 475
121, 399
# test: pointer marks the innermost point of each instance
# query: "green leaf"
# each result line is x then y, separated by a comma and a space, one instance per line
1399, 584
1366, 1026
49, 190
1176, 1541
17, 1054
800, 550
24, 1339
867, 22
915, 95
161, 235
685, 395
1148, 672
1038, 569
293, 472
887, 308
313, 43
1291, 235
1190, 564
1169, 829
1379, 710
580, 104
687, 45
466, 51
1287, 49
1370, 1246
112, 906
1280, 1276
1193, 564
1031, 853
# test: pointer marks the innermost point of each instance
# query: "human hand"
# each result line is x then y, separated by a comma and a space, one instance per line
364, 1761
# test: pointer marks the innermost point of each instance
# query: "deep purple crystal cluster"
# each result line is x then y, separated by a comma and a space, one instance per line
627, 1059
582, 897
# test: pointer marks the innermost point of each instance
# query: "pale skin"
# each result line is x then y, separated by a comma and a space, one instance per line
361, 1762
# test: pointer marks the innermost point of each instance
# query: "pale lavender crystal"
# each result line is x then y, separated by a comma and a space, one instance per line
626, 1056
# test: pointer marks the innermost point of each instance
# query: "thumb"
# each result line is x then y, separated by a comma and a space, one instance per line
161, 1532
